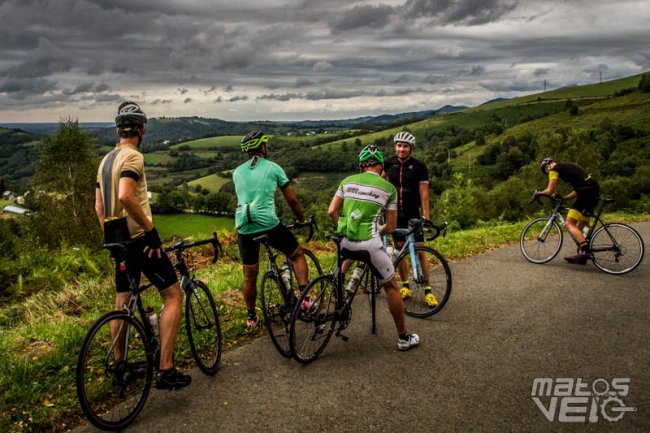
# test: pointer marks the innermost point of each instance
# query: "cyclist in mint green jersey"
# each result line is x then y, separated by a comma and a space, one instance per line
255, 183
356, 210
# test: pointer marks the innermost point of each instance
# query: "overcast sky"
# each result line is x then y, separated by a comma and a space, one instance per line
304, 59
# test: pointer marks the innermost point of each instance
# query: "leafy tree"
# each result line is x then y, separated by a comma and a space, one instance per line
64, 189
644, 83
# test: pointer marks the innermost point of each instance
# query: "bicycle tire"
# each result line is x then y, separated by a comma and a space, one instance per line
312, 328
277, 315
112, 394
537, 250
617, 248
203, 328
439, 281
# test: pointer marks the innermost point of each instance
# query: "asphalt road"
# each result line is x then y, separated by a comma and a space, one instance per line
508, 322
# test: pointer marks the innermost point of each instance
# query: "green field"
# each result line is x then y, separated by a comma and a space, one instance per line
206, 143
212, 182
153, 158
191, 225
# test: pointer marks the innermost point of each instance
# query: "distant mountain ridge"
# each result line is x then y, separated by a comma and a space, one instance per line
189, 128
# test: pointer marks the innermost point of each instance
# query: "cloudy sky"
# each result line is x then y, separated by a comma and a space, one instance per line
304, 59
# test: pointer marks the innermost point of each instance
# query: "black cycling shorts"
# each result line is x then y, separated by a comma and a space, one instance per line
159, 271
280, 238
402, 223
586, 201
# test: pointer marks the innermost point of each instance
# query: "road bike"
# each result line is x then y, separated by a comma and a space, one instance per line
116, 361
328, 308
280, 288
422, 267
616, 248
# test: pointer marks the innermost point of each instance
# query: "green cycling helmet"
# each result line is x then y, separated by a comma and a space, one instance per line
253, 141
370, 155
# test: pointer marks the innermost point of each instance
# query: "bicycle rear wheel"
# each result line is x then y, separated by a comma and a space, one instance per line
112, 392
617, 248
312, 327
203, 328
277, 315
539, 241
429, 283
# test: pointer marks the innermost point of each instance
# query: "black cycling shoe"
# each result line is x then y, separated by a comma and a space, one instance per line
171, 380
578, 259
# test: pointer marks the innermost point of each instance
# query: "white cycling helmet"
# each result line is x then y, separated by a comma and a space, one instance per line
405, 137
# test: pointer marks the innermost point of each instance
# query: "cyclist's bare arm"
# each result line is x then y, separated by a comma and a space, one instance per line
570, 196
292, 201
334, 211
550, 189
99, 207
391, 222
424, 198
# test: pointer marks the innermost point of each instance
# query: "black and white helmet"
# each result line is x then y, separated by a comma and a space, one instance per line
545, 162
405, 137
129, 115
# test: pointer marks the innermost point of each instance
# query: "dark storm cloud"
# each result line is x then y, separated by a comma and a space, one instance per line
56, 53
363, 16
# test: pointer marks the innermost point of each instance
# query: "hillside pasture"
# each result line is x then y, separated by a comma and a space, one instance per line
210, 142
212, 182
195, 226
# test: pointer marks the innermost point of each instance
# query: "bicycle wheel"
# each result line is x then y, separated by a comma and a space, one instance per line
203, 328
312, 328
540, 241
277, 315
112, 392
437, 281
616, 248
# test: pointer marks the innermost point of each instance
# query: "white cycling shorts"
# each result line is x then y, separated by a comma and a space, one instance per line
372, 252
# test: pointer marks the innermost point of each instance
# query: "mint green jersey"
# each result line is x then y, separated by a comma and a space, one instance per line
255, 187
364, 196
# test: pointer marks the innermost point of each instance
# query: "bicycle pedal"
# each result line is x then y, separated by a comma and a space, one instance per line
344, 337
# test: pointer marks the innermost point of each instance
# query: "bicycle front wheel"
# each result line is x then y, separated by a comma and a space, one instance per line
617, 248
313, 319
114, 371
203, 328
277, 314
425, 287
541, 240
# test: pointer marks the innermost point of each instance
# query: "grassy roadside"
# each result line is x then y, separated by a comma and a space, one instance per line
41, 334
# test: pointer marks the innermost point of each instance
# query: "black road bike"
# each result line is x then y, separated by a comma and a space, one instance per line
280, 288
116, 361
616, 248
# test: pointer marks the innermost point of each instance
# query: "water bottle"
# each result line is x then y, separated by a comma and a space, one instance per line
285, 274
152, 317
585, 231
354, 280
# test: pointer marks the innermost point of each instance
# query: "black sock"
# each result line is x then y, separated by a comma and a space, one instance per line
302, 287
168, 371
251, 314
403, 336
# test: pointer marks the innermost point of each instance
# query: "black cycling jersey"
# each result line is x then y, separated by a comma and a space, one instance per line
574, 175
407, 177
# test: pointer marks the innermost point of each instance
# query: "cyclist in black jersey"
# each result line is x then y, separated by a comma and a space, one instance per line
586, 192
411, 179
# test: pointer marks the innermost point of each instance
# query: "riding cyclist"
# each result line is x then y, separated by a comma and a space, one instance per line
255, 183
411, 179
356, 209
122, 193
586, 192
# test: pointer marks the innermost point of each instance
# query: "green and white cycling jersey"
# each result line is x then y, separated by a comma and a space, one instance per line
364, 196
255, 186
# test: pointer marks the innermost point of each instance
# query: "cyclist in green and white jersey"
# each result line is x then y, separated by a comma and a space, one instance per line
255, 183
356, 210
